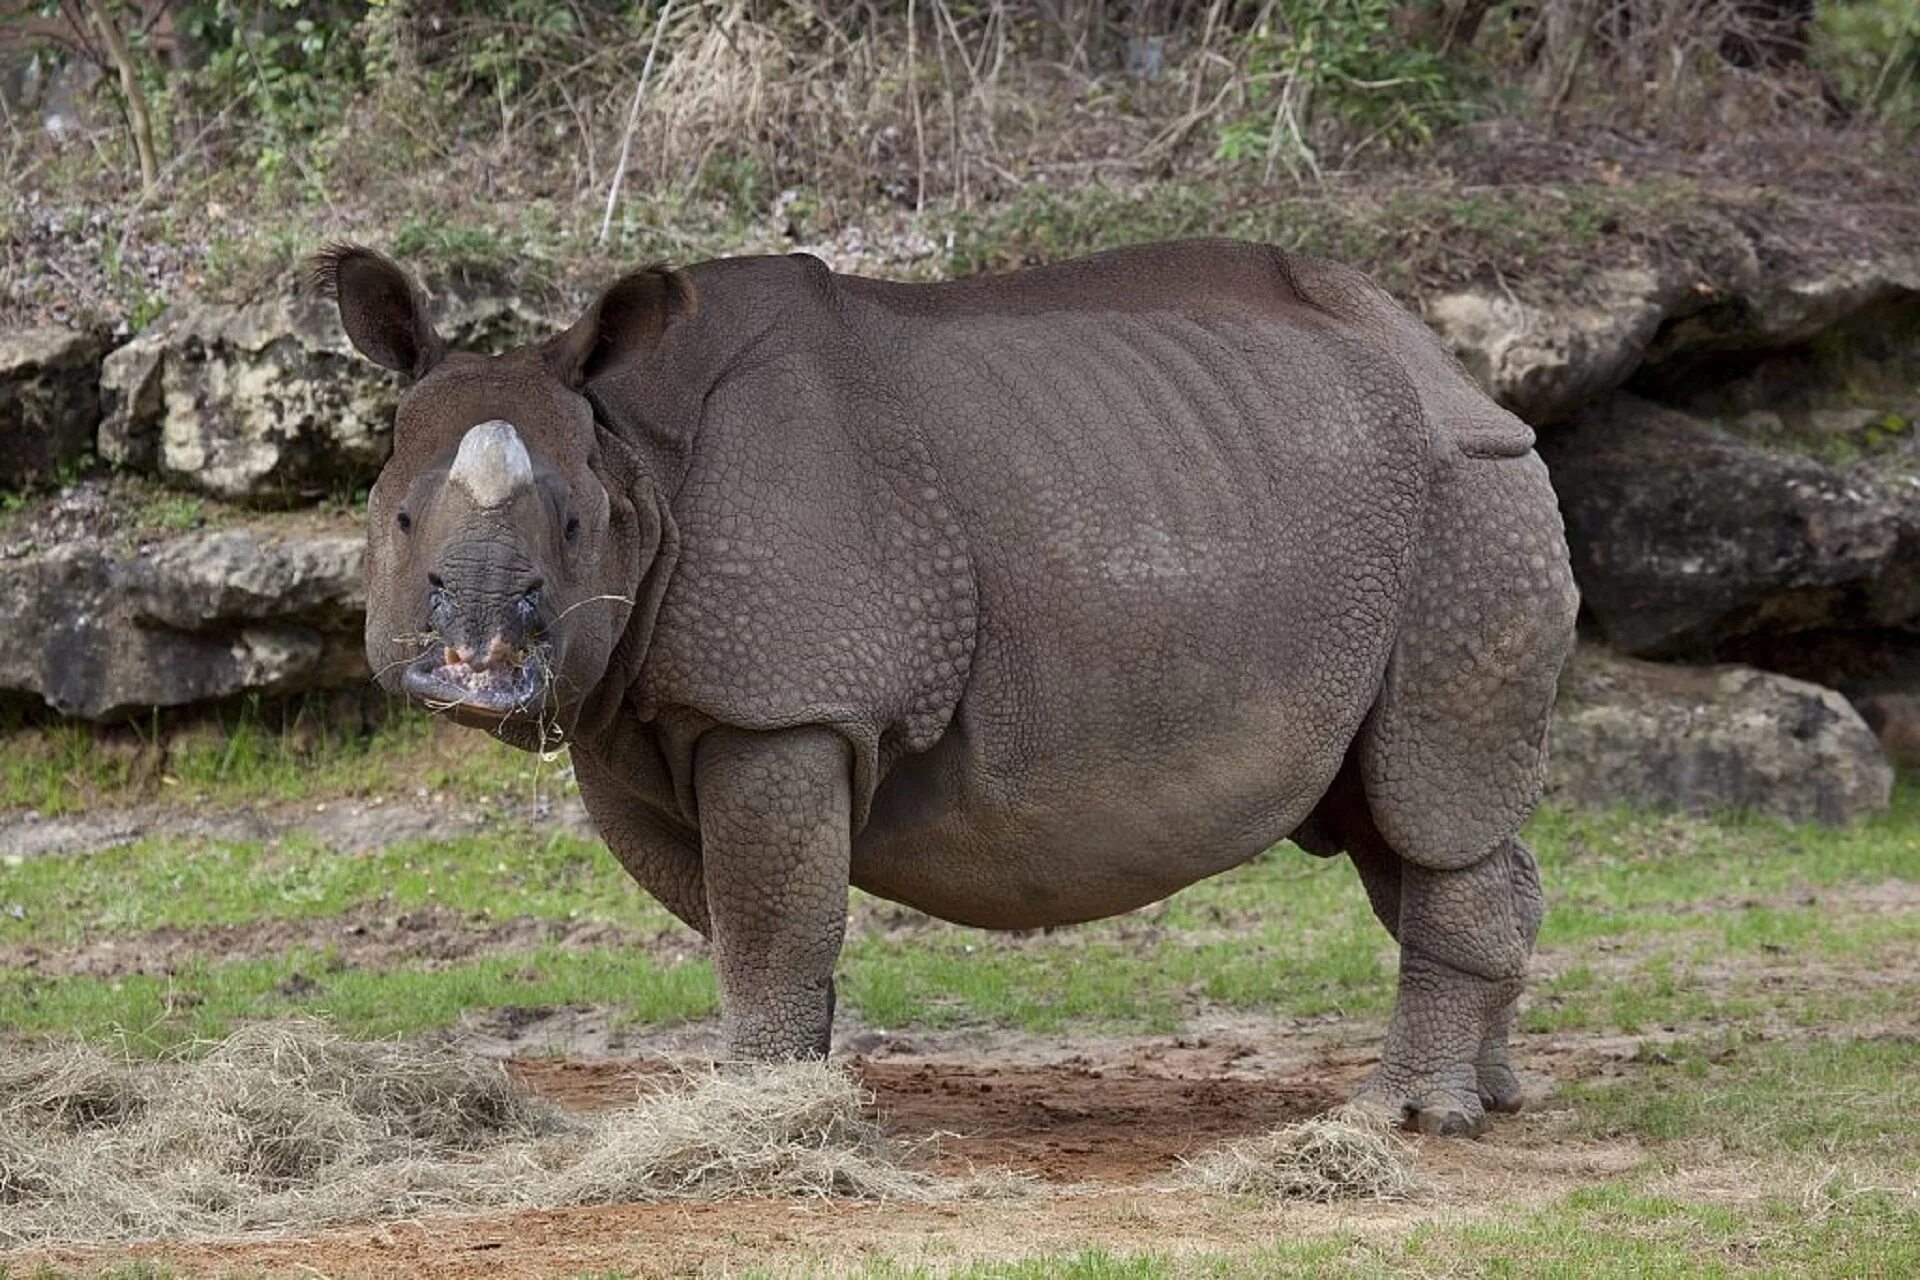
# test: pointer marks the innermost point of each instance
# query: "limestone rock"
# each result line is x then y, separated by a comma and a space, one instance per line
1546, 362
268, 403
49, 401
1779, 311
1687, 538
1711, 739
102, 633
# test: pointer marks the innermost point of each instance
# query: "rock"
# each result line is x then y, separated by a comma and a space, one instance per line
101, 633
268, 403
130, 403
1687, 538
1791, 309
1877, 671
1657, 324
1711, 739
1545, 363
1894, 716
49, 401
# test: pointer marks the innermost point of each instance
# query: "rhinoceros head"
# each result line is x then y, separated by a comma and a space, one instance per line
505, 548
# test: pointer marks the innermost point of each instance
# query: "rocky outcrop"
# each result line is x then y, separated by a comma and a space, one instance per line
49, 401
1545, 363
267, 403
1687, 537
1546, 360
100, 633
1711, 739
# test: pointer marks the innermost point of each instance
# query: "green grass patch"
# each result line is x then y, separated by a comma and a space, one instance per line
205, 1000
175, 883
1642, 905
1613, 1229
255, 753
1819, 1098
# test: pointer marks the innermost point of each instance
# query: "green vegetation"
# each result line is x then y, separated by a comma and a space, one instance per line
1870, 51
1657, 923
205, 998
484, 141
1546, 238
1760, 975
1821, 1098
264, 753
1612, 1229
1351, 66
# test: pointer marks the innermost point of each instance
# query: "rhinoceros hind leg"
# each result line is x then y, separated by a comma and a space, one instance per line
1465, 937
1453, 754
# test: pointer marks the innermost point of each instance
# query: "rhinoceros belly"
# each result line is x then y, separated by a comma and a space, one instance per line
1190, 539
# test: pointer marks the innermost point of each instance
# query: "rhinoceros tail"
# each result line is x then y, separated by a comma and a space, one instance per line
1490, 433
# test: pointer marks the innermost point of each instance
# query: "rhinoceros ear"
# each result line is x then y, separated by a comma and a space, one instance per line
381, 309
625, 320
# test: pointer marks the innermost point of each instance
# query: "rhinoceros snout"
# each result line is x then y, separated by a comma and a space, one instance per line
482, 668
482, 687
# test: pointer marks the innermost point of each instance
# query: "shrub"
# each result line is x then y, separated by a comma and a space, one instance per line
1870, 52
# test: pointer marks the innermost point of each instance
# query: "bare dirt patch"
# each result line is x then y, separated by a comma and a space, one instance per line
369, 935
347, 826
1072, 1121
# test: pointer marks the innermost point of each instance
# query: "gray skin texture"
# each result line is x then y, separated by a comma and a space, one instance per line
1023, 600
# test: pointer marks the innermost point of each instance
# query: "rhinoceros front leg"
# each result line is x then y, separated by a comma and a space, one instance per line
774, 816
1465, 938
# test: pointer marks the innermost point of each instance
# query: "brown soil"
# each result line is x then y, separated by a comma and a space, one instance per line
1073, 1121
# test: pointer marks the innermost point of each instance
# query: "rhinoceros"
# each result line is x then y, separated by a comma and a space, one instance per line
1023, 600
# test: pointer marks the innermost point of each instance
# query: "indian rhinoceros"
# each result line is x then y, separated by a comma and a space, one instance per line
1024, 600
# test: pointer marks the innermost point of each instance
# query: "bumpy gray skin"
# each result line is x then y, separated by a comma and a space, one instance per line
1024, 600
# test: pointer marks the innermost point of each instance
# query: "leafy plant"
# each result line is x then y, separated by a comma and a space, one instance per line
294, 69
1340, 74
1870, 52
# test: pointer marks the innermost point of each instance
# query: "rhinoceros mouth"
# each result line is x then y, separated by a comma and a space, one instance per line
485, 694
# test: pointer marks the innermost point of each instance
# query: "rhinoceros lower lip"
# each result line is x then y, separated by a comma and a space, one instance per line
486, 694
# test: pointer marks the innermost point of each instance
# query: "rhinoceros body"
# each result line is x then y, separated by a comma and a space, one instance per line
1024, 600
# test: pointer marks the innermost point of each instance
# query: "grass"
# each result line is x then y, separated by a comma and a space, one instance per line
254, 753
1751, 982
1657, 923
1611, 1229
204, 1000
1821, 1099
1765, 970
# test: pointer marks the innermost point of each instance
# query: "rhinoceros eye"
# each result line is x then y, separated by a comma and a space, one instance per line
572, 532
404, 520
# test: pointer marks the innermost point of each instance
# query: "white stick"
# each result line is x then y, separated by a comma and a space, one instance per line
633, 119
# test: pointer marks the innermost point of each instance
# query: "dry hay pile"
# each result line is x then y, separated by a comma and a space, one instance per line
793, 1130
1343, 1155
289, 1125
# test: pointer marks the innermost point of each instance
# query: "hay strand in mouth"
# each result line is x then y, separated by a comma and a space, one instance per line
289, 1126
1343, 1155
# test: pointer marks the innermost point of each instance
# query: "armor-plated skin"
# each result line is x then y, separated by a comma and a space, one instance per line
1024, 600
